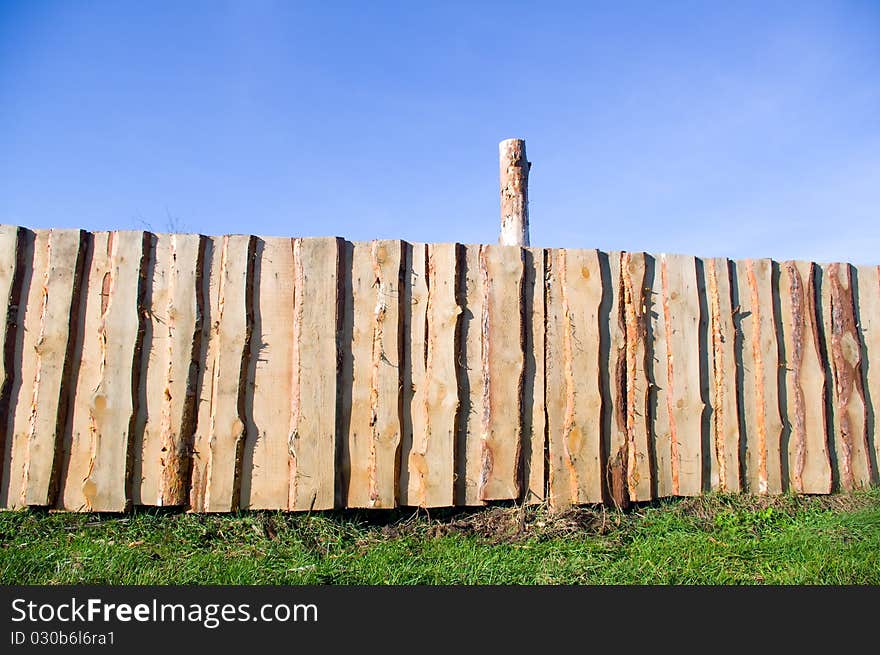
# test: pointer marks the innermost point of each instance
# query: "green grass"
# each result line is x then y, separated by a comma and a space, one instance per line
710, 540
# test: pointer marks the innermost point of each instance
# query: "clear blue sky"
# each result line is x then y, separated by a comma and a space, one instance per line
711, 128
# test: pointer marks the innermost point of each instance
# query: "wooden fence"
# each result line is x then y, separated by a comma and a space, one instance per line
274, 373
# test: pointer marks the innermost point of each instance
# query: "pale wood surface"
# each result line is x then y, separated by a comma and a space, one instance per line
503, 361
534, 420
574, 399
316, 313
41, 407
724, 426
166, 415
844, 355
435, 400
372, 361
760, 398
638, 462
470, 428
809, 467
219, 436
681, 309
868, 303
25, 366
266, 466
98, 466
614, 356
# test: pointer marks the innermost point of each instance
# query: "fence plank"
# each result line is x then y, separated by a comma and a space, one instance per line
844, 355
613, 373
9, 306
762, 420
574, 399
809, 467
316, 326
470, 428
265, 475
502, 365
681, 308
168, 393
26, 317
219, 436
104, 411
534, 421
658, 398
431, 459
724, 426
41, 409
638, 465
373, 422
868, 306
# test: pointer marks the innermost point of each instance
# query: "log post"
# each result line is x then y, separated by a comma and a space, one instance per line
514, 168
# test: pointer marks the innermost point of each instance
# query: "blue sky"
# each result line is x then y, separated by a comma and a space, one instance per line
711, 128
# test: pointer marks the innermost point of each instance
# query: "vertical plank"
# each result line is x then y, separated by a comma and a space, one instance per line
762, 420
32, 263
415, 347
724, 426
574, 399
316, 334
431, 459
658, 398
681, 308
470, 429
220, 432
104, 411
809, 466
638, 465
868, 305
41, 409
373, 425
615, 366
265, 474
844, 355
9, 258
502, 363
534, 421
167, 408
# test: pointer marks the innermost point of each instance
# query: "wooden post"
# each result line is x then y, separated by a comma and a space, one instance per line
514, 193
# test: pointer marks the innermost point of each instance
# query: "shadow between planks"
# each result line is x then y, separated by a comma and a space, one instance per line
302, 374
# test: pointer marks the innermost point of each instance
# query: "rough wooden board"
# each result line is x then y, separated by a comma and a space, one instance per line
844, 355
431, 460
385, 380
658, 398
40, 412
25, 317
724, 425
265, 472
166, 413
8, 259
372, 356
534, 420
638, 460
316, 325
219, 438
502, 363
104, 411
415, 308
681, 307
470, 428
809, 467
614, 361
574, 399
868, 305
760, 398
